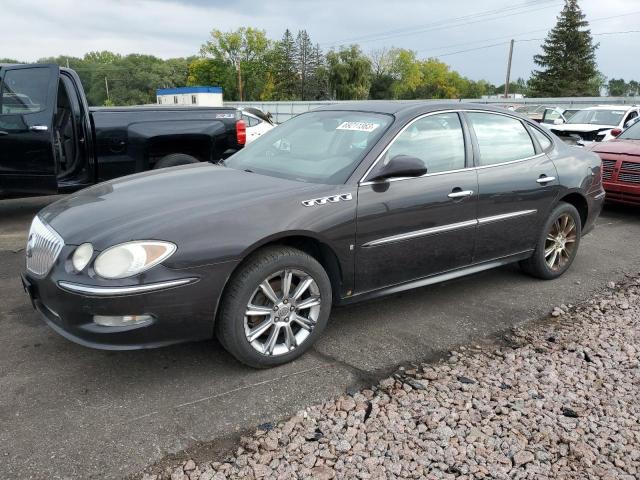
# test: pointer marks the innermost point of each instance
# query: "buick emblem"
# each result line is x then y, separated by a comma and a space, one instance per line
31, 244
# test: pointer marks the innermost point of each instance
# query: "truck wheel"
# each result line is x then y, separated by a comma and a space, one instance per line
557, 245
275, 307
174, 160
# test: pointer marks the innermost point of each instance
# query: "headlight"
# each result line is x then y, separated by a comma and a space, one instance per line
82, 256
132, 258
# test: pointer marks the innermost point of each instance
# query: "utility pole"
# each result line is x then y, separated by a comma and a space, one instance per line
106, 86
239, 82
506, 84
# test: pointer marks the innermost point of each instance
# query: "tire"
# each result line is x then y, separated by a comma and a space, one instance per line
287, 334
175, 159
554, 230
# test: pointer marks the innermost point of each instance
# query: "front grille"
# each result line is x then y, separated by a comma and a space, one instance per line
43, 247
631, 166
607, 168
629, 177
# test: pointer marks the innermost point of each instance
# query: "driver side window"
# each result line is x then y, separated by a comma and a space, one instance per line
437, 140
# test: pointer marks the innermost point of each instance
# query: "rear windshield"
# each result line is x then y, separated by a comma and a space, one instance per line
598, 117
316, 147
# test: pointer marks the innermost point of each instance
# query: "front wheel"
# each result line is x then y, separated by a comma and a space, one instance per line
558, 244
274, 307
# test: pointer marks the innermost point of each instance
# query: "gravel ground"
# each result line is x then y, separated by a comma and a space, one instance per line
561, 401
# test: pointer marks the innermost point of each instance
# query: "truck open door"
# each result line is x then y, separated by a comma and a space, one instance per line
27, 144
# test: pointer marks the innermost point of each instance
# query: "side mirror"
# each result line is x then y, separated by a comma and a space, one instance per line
401, 166
616, 131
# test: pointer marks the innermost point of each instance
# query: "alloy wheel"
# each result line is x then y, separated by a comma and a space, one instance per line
282, 312
560, 243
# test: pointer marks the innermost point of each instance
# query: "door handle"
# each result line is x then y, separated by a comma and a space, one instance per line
460, 194
544, 179
2, 132
38, 128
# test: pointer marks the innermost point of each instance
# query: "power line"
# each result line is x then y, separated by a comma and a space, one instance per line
475, 42
446, 23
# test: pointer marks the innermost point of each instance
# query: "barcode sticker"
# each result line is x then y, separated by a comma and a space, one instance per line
358, 126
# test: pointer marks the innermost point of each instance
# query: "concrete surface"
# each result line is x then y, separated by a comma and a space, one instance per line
70, 412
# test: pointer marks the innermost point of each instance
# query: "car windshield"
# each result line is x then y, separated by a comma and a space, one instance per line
632, 133
598, 117
527, 108
315, 147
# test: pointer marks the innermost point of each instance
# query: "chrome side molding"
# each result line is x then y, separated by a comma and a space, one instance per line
447, 228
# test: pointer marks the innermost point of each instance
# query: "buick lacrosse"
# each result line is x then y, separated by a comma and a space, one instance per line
344, 203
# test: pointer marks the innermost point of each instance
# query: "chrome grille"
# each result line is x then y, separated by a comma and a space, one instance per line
608, 163
43, 247
629, 177
607, 168
607, 174
632, 166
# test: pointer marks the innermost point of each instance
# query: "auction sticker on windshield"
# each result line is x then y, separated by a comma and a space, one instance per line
358, 126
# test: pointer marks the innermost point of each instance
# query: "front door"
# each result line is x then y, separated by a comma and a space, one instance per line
27, 102
517, 184
411, 228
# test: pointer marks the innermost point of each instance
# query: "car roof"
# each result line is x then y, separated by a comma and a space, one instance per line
611, 107
401, 107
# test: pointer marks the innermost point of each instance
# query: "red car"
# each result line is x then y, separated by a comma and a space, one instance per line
621, 165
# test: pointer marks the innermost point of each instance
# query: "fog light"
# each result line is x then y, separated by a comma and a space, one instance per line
122, 320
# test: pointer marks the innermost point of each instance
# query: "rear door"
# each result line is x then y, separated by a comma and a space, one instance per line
27, 106
517, 184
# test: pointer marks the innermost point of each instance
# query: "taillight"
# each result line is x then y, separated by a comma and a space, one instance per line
241, 132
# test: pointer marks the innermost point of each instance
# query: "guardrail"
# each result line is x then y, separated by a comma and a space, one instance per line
282, 111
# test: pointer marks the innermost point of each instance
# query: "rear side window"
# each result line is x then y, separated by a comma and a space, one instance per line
24, 91
251, 121
544, 142
437, 140
500, 138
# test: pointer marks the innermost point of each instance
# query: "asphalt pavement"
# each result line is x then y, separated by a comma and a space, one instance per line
70, 412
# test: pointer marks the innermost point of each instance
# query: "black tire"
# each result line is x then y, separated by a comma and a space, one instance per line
537, 265
175, 159
245, 284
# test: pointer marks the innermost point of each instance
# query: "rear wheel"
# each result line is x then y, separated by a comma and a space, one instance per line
558, 244
175, 159
275, 307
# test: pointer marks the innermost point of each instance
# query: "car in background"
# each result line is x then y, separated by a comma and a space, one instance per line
595, 124
340, 204
558, 115
534, 112
621, 165
257, 122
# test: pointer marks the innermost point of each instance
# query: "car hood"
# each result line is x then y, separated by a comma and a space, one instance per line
618, 146
580, 127
170, 204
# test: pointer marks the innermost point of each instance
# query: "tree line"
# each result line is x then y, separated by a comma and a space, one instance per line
250, 66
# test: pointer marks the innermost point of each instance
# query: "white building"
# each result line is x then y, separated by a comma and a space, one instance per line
196, 96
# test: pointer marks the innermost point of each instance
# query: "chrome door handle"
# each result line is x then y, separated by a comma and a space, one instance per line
461, 194
38, 128
543, 180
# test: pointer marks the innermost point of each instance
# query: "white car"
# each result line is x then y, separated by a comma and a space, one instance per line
257, 122
595, 124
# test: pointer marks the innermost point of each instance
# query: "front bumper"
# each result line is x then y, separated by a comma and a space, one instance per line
622, 193
181, 311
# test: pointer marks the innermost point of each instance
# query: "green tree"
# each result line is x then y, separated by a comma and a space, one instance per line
304, 63
245, 50
283, 68
349, 73
568, 62
212, 72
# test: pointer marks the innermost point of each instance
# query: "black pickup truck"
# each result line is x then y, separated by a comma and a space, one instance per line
51, 141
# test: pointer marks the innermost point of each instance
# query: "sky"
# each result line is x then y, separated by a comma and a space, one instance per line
470, 35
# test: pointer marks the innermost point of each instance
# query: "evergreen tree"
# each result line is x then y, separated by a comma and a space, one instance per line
304, 57
284, 68
568, 62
